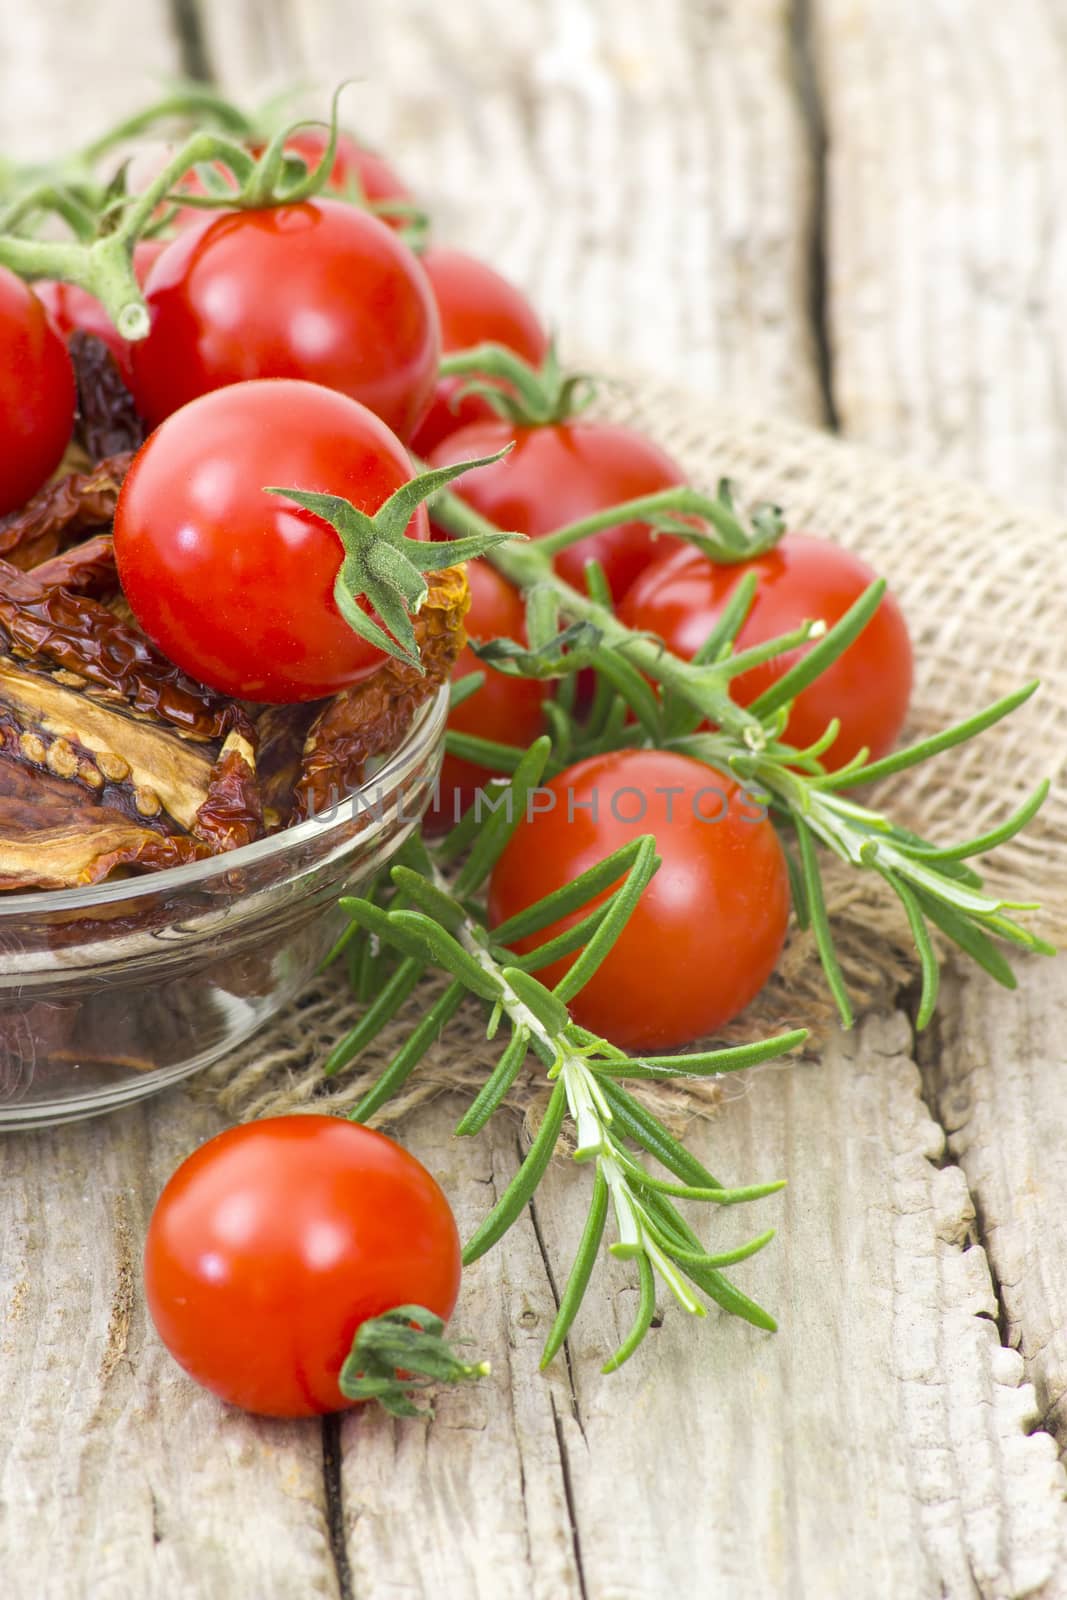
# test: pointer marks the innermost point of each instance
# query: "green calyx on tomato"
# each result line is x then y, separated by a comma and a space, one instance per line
408, 1340
520, 393
383, 565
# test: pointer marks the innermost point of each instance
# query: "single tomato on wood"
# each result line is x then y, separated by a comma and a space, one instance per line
322, 291
558, 473
505, 709
36, 393
477, 305
803, 578
233, 583
707, 931
275, 1241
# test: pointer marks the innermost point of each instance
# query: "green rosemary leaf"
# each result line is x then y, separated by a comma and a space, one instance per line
436, 902
382, 1009
646, 1310
458, 840
496, 1085
970, 938
561, 902
581, 1270
713, 1282
633, 1119
515, 1197
637, 880
483, 752
798, 889
928, 962
410, 1053
460, 690
550, 1012
984, 842
725, 1258
733, 1058
634, 689
959, 733
501, 825
718, 1197
815, 661
572, 938
448, 952
374, 920
820, 922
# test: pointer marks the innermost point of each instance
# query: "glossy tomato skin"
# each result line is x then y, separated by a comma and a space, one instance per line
504, 709
36, 394
274, 1241
804, 577
706, 933
558, 473
477, 306
236, 585
321, 291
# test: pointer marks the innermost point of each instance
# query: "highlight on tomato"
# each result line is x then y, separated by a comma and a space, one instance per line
275, 1243
322, 291
559, 472
704, 937
803, 578
234, 584
477, 305
36, 393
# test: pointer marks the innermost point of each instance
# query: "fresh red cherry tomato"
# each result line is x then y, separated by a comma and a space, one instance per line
236, 585
36, 394
505, 709
355, 170
559, 473
705, 935
322, 291
477, 306
275, 1241
804, 578
74, 310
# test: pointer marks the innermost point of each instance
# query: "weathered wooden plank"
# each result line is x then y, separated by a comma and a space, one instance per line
997, 1072
642, 170
947, 295
119, 1478
879, 1445
67, 71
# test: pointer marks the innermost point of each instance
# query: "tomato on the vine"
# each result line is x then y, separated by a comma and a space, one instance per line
803, 578
234, 584
36, 393
276, 1240
355, 170
74, 310
558, 473
505, 709
322, 291
477, 305
705, 935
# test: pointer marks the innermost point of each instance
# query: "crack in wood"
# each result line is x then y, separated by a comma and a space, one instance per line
806, 84
568, 1493
551, 1276
192, 41
334, 1504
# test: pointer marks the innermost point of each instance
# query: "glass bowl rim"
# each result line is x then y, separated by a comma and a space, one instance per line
428, 721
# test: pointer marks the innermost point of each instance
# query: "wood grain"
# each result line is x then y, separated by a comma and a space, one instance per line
997, 1072
67, 71
120, 1479
947, 233
642, 171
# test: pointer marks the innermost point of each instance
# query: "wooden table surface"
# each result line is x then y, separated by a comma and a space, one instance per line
846, 211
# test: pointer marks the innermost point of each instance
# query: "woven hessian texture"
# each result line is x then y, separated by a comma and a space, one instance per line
985, 594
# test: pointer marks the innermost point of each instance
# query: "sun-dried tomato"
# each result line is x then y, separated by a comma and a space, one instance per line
62, 512
107, 419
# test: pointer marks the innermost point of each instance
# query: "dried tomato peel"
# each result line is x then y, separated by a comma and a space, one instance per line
62, 512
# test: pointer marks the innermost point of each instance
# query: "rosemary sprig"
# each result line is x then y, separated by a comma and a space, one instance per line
432, 922
932, 882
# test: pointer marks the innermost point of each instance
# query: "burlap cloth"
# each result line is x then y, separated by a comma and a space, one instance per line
984, 589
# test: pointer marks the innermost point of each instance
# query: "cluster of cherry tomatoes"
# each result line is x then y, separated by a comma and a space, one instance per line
300, 346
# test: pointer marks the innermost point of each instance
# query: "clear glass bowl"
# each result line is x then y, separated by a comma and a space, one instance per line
110, 993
